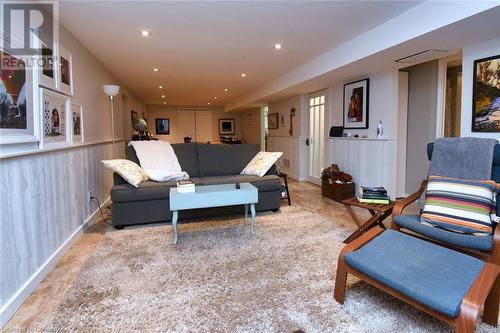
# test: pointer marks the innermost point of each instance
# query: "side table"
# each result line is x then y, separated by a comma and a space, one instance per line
285, 177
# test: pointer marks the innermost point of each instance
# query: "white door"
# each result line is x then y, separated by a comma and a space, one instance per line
187, 124
316, 138
203, 126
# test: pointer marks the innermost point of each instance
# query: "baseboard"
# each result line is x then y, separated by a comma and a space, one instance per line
10, 308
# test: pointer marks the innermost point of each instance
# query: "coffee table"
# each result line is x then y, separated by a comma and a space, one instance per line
207, 196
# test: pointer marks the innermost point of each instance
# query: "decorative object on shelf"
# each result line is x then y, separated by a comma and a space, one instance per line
77, 112
356, 99
336, 185
65, 76
292, 114
162, 126
226, 126
111, 91
380, 130
232, 140
272, 121
486, 95
19, 118
57, 122
336, 131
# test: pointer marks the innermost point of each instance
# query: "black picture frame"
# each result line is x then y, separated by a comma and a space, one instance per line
162, 126
226, 126
272, 121
483, 92
357, 116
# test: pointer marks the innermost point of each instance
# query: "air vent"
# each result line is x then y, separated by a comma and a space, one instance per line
421, 57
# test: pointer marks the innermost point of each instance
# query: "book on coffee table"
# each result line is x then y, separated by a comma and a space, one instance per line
185, 186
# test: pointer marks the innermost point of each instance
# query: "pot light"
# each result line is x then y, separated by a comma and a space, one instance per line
164, 102
243, 75
155, 69
278, 46
208, 103
226, 90
145, 33
162, 96
215, 97
161, 87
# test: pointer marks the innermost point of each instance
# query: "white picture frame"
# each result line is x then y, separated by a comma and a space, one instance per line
56, 120
65, 70
77, 135
29, 133
45, 79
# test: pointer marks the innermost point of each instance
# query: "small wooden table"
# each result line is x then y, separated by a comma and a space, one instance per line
379, 213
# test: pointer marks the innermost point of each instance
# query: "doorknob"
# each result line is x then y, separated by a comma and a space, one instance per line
307, 142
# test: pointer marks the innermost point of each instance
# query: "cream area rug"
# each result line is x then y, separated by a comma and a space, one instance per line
220, 278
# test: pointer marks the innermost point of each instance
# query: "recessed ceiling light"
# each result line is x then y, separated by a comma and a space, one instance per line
161, 87
162, 96
215, 97
164, 102
278, 46
243, 75
208, 103
145, 33
155, 69
226, 90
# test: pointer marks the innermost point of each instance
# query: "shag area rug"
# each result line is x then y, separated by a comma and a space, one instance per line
220, 278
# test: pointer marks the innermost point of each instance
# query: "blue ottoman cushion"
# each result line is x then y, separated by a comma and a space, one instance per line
427, 273
412, 222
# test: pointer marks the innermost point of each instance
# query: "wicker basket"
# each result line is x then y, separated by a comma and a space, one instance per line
338, 192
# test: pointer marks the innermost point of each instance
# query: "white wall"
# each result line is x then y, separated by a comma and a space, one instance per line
470, 53
45, 194
172, 111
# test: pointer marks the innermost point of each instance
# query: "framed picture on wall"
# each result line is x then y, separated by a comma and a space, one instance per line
77, 123
486, 95
356, 97
162, 126
19, 116
226, 126
48, 73
56, 118
65, 76
272, 120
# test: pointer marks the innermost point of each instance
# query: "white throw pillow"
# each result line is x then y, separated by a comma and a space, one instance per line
261, 163
129, 171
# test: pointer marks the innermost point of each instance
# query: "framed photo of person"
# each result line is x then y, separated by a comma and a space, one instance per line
486, 95
356, 99
57, 120
272, 121
19, 115
48, 72
226, 126
162, 126
77, 123
65, 76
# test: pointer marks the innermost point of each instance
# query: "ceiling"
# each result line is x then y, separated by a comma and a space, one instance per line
201, 48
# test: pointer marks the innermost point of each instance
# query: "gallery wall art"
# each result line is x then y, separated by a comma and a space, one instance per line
226, 126
272, 121
356, 99
77, 123
65, 76
162, 126
486, 95
57, 121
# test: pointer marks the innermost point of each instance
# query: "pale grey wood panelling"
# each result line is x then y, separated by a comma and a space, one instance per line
43, 201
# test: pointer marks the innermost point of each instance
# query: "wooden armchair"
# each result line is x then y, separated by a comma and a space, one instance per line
399, 259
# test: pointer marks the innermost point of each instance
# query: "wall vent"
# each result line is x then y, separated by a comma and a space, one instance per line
421, 57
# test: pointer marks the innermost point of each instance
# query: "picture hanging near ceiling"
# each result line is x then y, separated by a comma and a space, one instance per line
48, 72
226, 126
18, 118
162, 126
56, 120
77, 123
356, 97
486, 95
272, 121
65, 71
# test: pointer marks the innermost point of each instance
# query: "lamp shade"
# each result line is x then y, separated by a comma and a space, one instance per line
111, 90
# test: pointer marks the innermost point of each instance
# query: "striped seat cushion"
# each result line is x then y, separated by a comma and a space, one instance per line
463, 206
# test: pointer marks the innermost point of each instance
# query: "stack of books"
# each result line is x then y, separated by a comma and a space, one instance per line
376, 195
185, 186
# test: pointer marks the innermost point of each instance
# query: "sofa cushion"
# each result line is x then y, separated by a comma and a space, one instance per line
148, 190
222, 160
187, 154
412, 222
263, 184
425, 272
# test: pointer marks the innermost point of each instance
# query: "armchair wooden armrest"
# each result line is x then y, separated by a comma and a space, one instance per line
400, 205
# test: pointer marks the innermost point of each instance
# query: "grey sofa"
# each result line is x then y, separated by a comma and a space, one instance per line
206, 164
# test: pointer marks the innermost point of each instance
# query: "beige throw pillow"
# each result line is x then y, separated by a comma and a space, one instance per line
129, 170
261, 163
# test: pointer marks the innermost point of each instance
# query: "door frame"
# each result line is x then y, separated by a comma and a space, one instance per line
326, 93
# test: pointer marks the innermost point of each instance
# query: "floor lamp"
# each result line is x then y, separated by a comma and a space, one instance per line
111, 91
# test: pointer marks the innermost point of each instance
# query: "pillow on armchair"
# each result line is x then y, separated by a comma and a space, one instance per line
462, 206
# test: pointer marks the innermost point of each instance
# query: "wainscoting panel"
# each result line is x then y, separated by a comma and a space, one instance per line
44, 202
289, 145
371, 162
